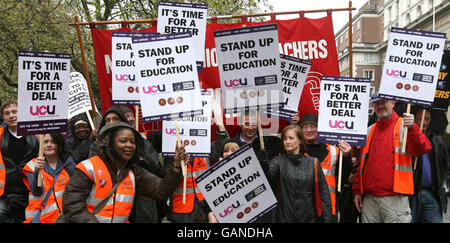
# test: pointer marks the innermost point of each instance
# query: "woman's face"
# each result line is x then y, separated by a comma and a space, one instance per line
50, 147
291, 142
229, 150
125, 144
82, 131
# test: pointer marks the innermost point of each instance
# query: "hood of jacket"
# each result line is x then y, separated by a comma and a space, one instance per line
116, 110
106, 150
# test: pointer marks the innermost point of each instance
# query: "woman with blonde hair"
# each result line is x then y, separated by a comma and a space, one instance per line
296, 174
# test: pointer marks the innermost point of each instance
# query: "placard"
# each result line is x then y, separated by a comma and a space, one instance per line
294, 72
174, 17
411, 67
125, 89
236, 189
43, 92
249, 67
343, 110
167, 77
195, 132
441, 99
79, 99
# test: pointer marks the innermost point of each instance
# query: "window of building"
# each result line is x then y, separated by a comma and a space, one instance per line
369, 58
419, 10
369, 73
358, 40
358, 24
408, 18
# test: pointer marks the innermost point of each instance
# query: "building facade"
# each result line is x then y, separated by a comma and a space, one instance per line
371, 27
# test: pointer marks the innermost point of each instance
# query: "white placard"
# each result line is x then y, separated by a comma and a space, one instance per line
43, 92
236, 188
167, 77
249, 67
294, 72
123, 82
79, 99
343, 110
411, 67
174, 17
195, 132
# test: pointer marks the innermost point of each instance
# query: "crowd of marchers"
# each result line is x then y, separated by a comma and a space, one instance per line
117, 174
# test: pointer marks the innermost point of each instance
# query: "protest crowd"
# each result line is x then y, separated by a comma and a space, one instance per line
389, 169
385, 192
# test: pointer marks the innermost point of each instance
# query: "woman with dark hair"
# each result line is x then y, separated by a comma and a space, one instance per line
45, 202
293, 175
103, 187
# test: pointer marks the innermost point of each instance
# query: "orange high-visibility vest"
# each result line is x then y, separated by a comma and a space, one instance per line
118, 208
2, 166
329, 170
198, 167
403, 172
54, 202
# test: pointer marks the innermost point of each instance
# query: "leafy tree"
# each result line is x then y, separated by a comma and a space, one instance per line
32, 25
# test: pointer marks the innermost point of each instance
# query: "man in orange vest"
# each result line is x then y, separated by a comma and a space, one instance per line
328, 155
384, 178
15, 152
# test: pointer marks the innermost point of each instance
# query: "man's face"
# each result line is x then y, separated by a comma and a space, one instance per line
112, 118
10, 115
309, 133
130, 118
383, 109
249, 127
426, 119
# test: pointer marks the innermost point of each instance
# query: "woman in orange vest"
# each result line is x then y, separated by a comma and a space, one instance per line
103, 187
57, 166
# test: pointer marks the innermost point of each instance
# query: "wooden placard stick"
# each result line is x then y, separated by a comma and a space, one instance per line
340, 170
136, 117
183, 164
90, 120
260, 133
41, 154
405, 132
421, 127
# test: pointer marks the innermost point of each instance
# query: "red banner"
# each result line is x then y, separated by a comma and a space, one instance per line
310, 39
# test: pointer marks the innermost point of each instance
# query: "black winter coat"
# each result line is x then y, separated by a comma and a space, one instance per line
440, 170
296, 189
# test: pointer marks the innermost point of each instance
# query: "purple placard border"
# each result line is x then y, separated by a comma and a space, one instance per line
184, 5
39, 128
406, 100
161, 37
345, 79
245, 30
170, 116
352, 139
419, 32
44, 54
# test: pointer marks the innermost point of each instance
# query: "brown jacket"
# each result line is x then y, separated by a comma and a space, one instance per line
147, 184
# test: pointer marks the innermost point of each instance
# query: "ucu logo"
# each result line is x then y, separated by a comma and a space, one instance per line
341, 124
42, 110
153, 89
125, 77
396, 73
235, 82
174, 131
230, 209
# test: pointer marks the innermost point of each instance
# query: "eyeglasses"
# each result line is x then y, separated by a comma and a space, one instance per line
309, 126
